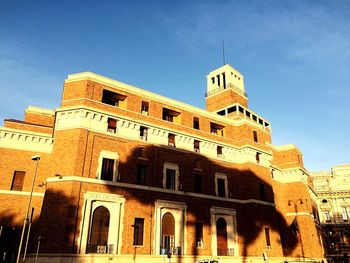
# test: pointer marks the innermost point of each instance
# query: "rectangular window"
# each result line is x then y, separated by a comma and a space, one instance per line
257, 157
327, 216
344, 214
219, 151
107, 169
17, 181
196, 145
171, 139
262, 191
141, 174
112, 98
144, 107
142, 152
138, 231
143, 133
221, 187
170, 179
255, 135
217, 129
199, 233
170, 115
112, 125
197, 183
196, 123
267, 237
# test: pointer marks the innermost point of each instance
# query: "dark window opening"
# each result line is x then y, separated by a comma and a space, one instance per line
112, 125
171, 139
197, 183
141, 174
138, 231
217, 129
196, 123
255, 135
261, 121
267, 237
247, 113
262, 191
196, 145
107, 169
218, 77
143, 133
112, 98
240, 109
168, 115
170, 179
221, 113
212, 80
18, 180
224, 79
232, 109
221, 187
257, 157
199, 233
255, 118
98, 236
144, 107
219, 151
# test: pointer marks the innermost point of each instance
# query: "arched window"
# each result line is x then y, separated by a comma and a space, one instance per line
168, 233
98, 240
221, 237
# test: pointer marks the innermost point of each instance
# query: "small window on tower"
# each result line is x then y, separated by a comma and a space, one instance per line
112, 98
255, 135
219, 151
257, 157
212, 80
143, 133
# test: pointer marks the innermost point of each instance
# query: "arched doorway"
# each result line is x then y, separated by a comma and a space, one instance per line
168, 233
221, 237
98, 240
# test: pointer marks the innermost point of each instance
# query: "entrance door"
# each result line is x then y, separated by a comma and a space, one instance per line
221, 237
168, 233
99, 231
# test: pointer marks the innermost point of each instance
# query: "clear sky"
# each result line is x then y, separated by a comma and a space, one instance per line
294, 55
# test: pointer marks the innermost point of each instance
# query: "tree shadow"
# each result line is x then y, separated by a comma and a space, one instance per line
63, 203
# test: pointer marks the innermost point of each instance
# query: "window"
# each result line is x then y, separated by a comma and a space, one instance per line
170, 115
171, 139
216, 129
255, 135
197, 183
327, 216
144, 107
112, 98
142, 152
107, 169
267, 237
221, 187
219, 151
141, 174
196, 145
345, 214
240, 109
143, 133
262, 191
170, 179
138, 231
212, 80
196, 123
112, 125
17, 181
257, 157
199, 235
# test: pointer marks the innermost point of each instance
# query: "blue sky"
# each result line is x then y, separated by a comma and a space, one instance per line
295, 56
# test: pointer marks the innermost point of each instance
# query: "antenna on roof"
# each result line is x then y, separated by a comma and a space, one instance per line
223, 51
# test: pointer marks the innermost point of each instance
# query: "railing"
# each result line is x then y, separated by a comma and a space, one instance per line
170, 250
221, 88
99, 249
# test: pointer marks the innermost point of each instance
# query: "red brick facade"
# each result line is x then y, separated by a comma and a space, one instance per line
258, 190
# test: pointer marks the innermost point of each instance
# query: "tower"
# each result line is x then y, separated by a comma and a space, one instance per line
225, 87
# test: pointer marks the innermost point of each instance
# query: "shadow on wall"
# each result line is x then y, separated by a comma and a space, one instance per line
63, 203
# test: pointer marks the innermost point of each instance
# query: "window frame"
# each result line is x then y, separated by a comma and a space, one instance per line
21, 180
171, 166
143, 233
108, 155
221, 176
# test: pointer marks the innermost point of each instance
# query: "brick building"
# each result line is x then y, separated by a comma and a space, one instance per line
333, 191
128, 175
